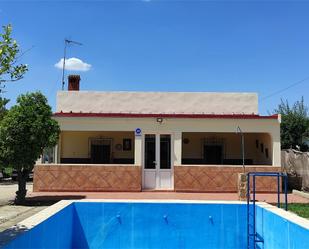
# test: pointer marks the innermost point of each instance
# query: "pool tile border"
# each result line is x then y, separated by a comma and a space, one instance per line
46, 213
43, 215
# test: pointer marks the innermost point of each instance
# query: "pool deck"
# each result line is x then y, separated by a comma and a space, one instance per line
266, 197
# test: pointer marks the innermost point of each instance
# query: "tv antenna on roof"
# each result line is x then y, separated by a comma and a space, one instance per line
66, 43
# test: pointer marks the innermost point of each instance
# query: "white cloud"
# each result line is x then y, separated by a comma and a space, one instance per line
73, 64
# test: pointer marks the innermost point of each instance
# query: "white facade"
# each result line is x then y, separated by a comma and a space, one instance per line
157, 102
83, 111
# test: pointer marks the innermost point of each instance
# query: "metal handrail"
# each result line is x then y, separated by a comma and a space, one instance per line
255, 174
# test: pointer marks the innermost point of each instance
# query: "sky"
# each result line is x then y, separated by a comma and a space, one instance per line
149, 45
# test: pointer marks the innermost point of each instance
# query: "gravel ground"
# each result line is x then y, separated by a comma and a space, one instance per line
10, 214
8, 189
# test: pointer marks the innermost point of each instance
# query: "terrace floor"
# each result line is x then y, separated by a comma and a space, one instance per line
267, 197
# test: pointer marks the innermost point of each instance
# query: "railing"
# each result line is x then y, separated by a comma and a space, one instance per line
252, 236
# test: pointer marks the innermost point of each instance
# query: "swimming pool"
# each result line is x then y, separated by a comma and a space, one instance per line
160, 224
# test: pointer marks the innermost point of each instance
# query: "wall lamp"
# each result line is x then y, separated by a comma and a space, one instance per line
160, 120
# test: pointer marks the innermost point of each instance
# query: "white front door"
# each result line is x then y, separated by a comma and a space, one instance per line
157, 167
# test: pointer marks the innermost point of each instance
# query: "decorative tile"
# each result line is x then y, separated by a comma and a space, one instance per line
219, 178
86, 178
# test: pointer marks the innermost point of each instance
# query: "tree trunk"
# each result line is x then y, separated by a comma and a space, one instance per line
22, 176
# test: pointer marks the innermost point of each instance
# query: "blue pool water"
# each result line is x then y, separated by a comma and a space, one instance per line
160, 225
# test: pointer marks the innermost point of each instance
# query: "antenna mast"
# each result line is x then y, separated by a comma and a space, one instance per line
66, 43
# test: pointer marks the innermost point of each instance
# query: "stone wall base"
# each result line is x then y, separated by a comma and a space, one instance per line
128, 178
220, 178
74, 178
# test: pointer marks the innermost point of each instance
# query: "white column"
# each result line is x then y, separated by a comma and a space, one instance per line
56, 160
138, 151
58, 150
276, 149
177, 148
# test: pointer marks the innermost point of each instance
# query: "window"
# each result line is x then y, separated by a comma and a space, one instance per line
165, 151
213, 150
100, 150
150, 151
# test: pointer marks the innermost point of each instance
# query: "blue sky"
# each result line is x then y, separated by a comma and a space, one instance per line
260, 46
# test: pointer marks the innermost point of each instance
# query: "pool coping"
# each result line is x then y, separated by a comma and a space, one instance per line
43, 215
287, 215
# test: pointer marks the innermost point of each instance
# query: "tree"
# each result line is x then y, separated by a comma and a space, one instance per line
10, 70
294, 124
25, 131
3, 110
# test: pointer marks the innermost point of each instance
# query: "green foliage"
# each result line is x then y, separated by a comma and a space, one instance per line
7, 171
10, 70
26, 130
3, 110
294, 124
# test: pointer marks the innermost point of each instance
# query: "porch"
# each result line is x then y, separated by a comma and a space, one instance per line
96, 147
177, 161
181, 148
209, 148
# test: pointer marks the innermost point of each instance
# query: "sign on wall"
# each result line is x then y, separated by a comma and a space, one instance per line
138, 132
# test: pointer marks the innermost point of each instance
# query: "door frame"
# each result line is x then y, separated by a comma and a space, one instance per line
157, 169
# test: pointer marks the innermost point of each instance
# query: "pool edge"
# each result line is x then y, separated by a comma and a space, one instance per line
292, 217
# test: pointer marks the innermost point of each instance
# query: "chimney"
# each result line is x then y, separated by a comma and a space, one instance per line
73, 84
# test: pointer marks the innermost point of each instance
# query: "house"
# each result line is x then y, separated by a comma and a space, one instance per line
180, 141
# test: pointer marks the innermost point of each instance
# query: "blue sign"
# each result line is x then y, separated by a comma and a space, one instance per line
138, 132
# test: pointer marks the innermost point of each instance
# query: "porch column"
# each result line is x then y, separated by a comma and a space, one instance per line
56, 159
177, 148
276, 148
138, 151
58, 150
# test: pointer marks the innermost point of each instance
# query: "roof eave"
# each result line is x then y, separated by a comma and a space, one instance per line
164, 115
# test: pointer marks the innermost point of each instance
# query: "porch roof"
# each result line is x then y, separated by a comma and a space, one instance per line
165, 115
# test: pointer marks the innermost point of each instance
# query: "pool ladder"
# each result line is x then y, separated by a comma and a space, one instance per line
253, 238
